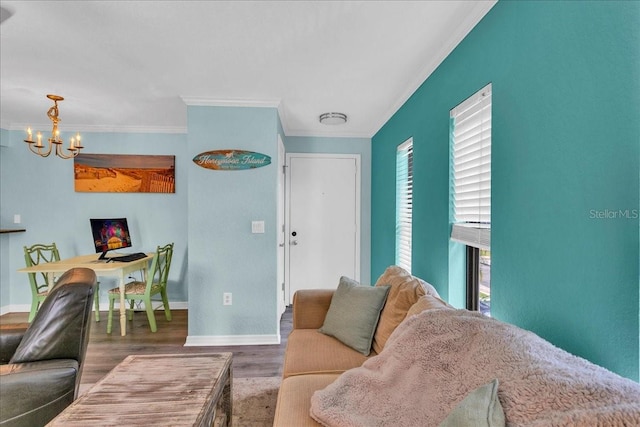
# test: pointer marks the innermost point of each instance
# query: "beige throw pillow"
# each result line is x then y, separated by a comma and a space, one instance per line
404, 293
427, 302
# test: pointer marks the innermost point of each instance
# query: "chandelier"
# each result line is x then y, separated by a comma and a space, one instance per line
38, 148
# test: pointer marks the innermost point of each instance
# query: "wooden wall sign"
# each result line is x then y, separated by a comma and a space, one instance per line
228, 160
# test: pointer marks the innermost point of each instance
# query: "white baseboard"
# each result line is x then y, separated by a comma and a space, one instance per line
25, 308
199, 340
226, 340
15, 308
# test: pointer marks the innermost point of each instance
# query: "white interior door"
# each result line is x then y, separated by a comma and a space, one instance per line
323, 223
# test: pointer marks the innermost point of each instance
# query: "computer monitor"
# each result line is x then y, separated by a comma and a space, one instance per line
109, 234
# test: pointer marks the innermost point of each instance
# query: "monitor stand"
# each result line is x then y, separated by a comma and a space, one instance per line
103, 257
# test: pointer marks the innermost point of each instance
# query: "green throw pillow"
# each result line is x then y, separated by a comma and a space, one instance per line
353, 314
479, 408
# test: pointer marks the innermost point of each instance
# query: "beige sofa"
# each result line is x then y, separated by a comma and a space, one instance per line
447, 368
314, 360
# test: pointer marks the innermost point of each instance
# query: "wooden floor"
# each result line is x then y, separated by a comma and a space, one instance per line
106, 351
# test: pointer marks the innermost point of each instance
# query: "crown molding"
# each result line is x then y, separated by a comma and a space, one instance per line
326, 134
213, 102
204, 102
458, 34
98, 128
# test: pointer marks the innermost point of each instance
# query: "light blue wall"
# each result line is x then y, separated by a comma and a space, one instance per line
209, 217
566, 102
361, 146
5, 239
42, 191
224, 256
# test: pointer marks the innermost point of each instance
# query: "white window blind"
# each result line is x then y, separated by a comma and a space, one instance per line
404, 203
471, 156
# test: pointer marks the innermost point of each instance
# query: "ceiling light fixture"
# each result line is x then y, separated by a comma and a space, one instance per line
36, 147
333, 118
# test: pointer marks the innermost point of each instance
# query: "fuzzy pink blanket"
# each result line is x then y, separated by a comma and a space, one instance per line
434, 359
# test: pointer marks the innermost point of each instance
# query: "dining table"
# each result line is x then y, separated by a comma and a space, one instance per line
102, 268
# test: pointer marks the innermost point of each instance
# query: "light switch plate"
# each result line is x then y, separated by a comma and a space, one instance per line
257, 227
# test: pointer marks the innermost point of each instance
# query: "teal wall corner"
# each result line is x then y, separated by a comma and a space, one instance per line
565, 172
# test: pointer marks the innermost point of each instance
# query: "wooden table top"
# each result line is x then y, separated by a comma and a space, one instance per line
162, 389
88, 261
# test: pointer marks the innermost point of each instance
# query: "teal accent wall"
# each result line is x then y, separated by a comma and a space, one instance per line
224, 256
42, 191
565, 172
361, 146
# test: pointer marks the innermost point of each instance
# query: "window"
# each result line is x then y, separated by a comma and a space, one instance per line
484, 282
404, 203
471, 192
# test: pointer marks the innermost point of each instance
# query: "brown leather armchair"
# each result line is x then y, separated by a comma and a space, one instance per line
40, 367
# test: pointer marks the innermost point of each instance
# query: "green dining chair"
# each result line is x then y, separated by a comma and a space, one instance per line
155, 284
37, 254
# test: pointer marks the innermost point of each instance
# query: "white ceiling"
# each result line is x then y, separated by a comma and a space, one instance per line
134, 66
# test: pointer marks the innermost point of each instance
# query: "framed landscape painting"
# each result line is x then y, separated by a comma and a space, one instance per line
124, 173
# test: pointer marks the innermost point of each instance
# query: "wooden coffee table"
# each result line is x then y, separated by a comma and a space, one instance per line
163, 389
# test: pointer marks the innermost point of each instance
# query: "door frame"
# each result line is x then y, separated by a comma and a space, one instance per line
281, 235
287, 216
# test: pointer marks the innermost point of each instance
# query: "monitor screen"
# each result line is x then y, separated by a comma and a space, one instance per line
109, 234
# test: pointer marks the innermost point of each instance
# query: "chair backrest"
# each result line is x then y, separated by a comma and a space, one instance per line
159, 271
37, 254
61, 327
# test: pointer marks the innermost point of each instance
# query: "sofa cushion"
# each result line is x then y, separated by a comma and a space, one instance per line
310, 307
309, 351
405, 291
353, 314
294, 399
427, 302
480, 408
33, 393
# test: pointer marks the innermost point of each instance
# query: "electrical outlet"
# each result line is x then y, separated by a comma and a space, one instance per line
226, 298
